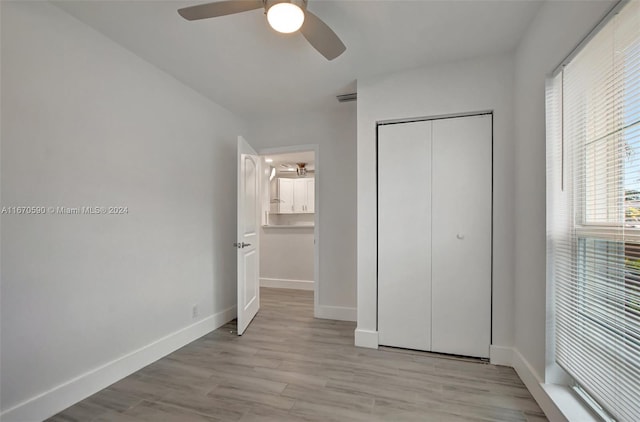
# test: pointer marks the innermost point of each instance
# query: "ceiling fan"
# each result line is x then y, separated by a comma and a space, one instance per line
301, 169
284, 16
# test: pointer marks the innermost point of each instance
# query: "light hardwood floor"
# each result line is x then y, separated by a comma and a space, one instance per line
289, 366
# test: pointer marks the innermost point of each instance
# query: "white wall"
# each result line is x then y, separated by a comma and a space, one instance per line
286, 254
334, 131
86, 123
556, 30
451, 88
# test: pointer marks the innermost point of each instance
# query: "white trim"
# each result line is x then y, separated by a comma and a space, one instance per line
283, 283
288, 226
50, 402
570, 406
557, 401
366, 338
434, 117
534, 384
316, 224
501, 355
339, 313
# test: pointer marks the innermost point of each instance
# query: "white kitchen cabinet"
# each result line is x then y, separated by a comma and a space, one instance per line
299, 195
434, 235
310, 206
304, 196
285, 196
296, 196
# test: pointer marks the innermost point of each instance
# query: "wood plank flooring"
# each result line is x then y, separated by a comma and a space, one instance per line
289, 366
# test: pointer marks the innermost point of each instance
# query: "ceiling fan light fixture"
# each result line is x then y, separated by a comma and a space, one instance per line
285, 17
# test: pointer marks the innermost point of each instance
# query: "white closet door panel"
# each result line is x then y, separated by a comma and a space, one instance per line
404, 233
461, 276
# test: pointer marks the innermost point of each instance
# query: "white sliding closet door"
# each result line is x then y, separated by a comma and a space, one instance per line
404, 235
461, 236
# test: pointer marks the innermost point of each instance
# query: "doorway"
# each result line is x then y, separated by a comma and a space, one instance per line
289, 252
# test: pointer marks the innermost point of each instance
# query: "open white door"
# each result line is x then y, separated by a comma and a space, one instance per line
248, 234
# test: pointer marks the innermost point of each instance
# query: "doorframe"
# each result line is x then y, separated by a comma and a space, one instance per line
315, 148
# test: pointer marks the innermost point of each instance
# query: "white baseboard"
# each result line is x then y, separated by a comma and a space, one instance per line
50, 402
283, 283
339, 313
366, 338
535, 386
501, 355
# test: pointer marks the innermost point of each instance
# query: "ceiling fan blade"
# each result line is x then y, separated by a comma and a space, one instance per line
219, 8
321, 37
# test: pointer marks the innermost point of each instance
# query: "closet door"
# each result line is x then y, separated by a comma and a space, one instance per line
404, 235
461, 271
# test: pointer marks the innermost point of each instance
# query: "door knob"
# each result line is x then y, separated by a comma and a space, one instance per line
460, 236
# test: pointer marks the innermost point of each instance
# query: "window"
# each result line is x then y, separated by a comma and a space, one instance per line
593, 214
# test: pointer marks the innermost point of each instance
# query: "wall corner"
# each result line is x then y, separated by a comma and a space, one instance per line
501, 355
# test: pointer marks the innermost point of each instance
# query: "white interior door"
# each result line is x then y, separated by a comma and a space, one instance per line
404, 235
248, 234
461, 222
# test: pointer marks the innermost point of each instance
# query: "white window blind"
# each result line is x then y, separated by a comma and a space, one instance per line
593, 214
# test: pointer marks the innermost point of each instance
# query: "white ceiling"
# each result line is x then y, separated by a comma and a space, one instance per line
291, 159
243, 65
